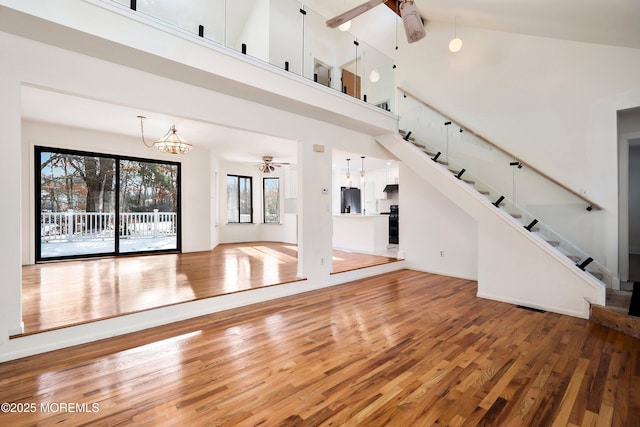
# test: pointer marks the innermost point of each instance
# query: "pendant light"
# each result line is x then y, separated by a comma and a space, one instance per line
348, 174
170, 143
362, 169
456, 43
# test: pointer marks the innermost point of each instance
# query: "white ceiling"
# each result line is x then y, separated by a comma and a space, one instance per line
613, 22
230, 144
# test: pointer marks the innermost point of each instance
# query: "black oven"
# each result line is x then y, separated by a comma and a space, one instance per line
393, 224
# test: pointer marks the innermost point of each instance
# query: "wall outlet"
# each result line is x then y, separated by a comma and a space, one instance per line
442, 253
321, 261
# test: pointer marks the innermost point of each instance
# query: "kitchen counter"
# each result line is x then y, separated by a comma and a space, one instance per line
361, 233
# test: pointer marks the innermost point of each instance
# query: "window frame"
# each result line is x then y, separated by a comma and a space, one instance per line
239, 178
38, 150
264, 200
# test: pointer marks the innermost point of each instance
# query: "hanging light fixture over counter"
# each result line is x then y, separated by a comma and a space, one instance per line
170, 143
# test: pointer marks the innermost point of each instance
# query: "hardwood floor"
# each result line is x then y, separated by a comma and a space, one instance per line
401, 349
60, 294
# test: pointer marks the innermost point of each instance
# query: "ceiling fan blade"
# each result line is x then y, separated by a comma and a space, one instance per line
413, 25
350, 14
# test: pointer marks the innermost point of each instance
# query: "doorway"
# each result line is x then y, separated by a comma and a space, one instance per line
322, 73
350, 79
634, 210
629, 197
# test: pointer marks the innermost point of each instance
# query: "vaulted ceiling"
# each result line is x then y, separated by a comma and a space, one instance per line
613, 22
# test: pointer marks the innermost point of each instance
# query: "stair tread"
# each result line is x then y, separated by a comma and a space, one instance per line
620, 299
616, 318
553, 243
403, 133
574, 258
596, 274
516, 216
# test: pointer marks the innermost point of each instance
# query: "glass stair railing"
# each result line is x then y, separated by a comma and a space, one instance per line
567, 221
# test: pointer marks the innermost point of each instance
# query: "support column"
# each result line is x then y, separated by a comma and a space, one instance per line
10, 214
315, 226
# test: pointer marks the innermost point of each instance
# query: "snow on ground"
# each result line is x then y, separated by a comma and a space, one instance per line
87, 247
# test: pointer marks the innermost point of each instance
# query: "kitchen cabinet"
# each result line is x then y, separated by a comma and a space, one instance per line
382, 177
361, 233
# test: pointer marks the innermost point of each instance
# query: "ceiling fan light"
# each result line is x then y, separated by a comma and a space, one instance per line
345, 26
413, 25
455, 45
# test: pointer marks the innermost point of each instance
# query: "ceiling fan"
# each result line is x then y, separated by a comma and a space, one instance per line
268, 166
413, 24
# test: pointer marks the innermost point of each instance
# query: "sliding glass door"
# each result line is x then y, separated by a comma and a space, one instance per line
148, 206
92, 204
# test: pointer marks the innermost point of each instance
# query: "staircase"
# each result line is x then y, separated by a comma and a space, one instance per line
580, 261
517, 262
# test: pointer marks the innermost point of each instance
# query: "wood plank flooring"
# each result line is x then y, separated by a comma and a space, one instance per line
60, 294
401, 349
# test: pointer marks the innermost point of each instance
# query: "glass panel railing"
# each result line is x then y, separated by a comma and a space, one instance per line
568, 221
247, 27
286, 34
201, 17
378, 77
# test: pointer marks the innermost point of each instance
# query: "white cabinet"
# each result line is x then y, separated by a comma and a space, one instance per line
392, 175
382, 178
290, 182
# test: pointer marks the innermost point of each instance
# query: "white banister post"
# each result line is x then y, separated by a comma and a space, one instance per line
70, 224
155, 223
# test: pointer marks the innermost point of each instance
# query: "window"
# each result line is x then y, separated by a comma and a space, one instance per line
271, 200
239, 199
92, 204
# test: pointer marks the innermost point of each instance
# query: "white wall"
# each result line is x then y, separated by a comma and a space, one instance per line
530, 95
431, 224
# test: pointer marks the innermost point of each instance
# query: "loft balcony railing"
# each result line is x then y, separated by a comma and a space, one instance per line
567, 220
283, 33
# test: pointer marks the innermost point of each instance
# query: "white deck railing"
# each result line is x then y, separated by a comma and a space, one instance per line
70, 226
